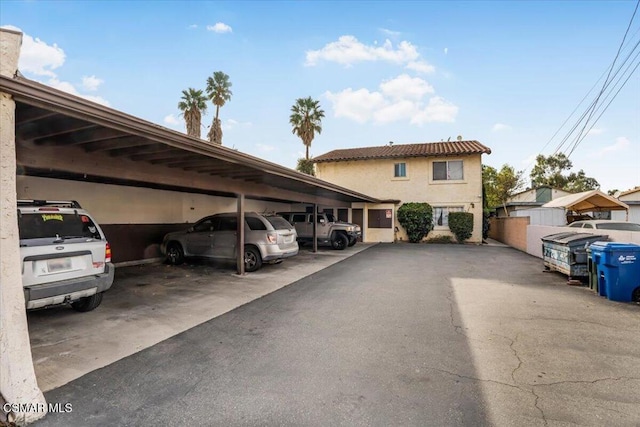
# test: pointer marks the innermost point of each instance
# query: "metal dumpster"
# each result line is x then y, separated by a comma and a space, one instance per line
566, 252
618, 270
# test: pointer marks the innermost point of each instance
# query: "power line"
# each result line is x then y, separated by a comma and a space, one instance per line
607, 81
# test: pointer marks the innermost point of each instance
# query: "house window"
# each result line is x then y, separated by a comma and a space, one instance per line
400, 170
448, 171
441, 215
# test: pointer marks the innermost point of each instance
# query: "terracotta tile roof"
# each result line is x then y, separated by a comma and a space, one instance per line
429, 149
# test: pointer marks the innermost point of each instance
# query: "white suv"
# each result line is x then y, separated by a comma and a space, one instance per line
64, 253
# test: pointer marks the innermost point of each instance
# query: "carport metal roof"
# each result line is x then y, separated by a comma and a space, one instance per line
587, 201
64, 136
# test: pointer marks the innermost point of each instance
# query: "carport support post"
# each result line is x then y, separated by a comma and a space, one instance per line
315, 227
17, 376
240, 235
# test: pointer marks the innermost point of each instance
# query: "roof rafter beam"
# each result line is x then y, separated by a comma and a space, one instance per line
35, 131
147, 147
168, 154
81, 137
113, 144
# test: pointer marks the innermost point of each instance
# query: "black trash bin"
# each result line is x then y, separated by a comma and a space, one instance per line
567, 253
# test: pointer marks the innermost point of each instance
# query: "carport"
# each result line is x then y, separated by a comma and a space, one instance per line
47, 133
588, 201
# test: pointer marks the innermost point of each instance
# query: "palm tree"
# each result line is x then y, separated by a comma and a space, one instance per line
219, 92
306, 119
193, 105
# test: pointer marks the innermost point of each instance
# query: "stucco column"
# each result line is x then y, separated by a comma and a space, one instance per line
17, 377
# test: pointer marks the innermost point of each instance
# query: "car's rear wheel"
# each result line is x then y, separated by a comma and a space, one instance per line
339, 241
87, 303
175, 254
252, 259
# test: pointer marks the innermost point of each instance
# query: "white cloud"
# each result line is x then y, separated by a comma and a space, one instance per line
348, 51
404, 86
621, 144
421, 67
401, 98
193, 26
231, 123
390, 33
446, 50
438, 110
171, 120
91, 83
356, 105
498, 127
55, 83
265, 148
220, 28
37, 57
596, 131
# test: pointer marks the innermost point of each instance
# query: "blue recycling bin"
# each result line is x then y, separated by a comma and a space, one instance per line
618, 270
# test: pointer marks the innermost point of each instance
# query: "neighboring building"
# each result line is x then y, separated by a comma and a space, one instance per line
631, 198
532, 198
447, 175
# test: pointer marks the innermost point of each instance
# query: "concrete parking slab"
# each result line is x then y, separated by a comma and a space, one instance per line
398, 335
150, 303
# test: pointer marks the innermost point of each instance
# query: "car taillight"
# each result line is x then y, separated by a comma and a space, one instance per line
107, 253
272, 237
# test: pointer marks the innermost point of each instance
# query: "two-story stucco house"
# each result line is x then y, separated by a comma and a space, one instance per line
447, 175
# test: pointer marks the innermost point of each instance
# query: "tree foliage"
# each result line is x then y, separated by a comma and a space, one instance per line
192, 105
500, 185
306, 166
551, 171
219, 92
461, 225
306, 120
416, 219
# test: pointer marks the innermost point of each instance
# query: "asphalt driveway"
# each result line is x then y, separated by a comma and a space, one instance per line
395, 335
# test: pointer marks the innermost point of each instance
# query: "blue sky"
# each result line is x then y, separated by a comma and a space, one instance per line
507, 74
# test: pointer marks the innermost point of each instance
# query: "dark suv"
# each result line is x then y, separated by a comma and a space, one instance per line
65, 255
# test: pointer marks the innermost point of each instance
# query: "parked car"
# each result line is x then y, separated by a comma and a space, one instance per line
605, 224
329, 231
64, 253
267, 238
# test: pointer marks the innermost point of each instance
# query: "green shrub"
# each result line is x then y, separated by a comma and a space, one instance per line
461, 225
416, 219
443, 238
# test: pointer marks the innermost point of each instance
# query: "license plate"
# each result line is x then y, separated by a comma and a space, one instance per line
288, 239
58, 264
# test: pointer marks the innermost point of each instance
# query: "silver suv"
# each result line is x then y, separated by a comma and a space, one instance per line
267, 238
65, 255
339, 235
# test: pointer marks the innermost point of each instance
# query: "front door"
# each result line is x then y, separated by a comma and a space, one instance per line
356, 218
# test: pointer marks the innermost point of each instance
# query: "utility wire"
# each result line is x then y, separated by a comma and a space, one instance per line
607, 81
559, 147
594, 104
605, 109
